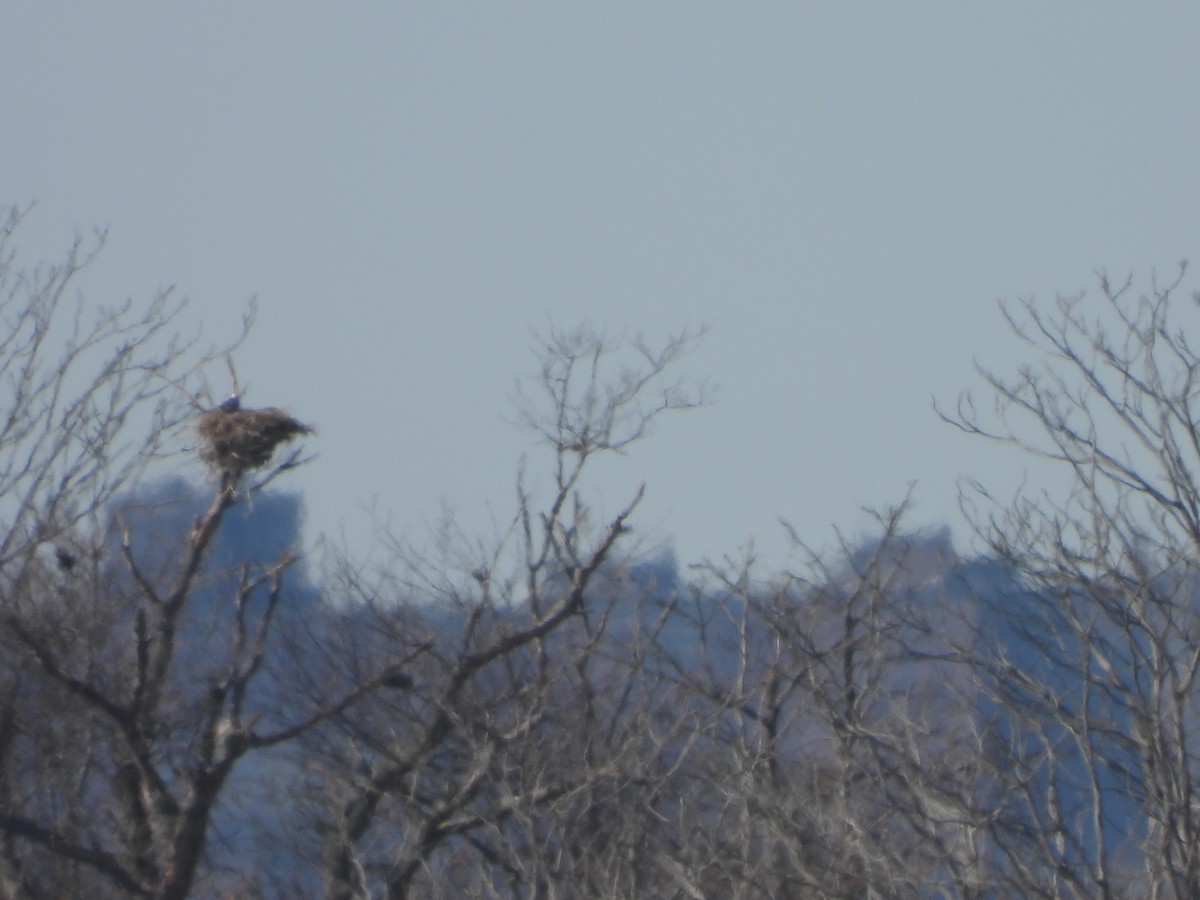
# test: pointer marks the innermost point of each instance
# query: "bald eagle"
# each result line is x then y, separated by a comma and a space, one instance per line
234, 441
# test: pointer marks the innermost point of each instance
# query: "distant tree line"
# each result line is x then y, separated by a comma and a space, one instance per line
189, 709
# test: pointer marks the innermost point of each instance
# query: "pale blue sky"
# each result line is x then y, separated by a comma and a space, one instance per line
840, 191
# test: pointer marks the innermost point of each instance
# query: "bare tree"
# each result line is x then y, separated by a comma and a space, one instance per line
834, 759
472, 715
1094, 662
118, 731
509, 715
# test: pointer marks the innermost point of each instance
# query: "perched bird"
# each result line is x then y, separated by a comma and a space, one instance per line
65, 558
398, 679
234, 441
232, 403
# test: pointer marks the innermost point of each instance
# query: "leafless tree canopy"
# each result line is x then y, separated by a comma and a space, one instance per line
1110, 614
557, 712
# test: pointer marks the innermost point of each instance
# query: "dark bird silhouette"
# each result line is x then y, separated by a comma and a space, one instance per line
397, 679
234, 441
66, 559
232, 403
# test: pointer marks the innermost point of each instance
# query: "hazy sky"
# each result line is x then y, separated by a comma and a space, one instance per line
839, 191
